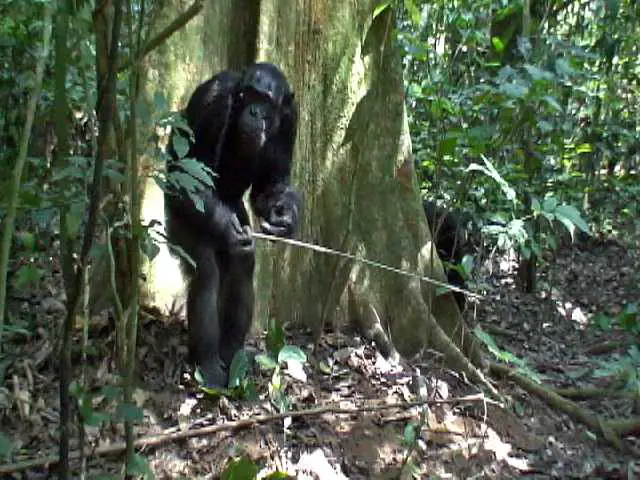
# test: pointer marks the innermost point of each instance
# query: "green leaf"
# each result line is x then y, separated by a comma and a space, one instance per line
275, 338
410, 433
628, 318
467, 264
514, 90
129, 412
139, 465
74, 217
602, 321
5, 446
538, 74
198, 170
28, 276
380, 8
111, 392
266, 362
239, 369
240, 469
447, 145
553, 103
180, 145
497, 44
489, 170
584, 148
26, 240
549, 204
572, 214
413, 11
95, 418
291, 353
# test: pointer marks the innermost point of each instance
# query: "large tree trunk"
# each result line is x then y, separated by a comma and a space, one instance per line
352, 161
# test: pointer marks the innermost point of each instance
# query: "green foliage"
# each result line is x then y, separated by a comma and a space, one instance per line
140, 468
290, 360
5, 446
505, 356
628, 319
111, 398
275, 338
627, 366
240, 469
523, 129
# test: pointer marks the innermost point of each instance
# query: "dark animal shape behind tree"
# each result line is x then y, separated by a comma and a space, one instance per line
244, 129
451, 239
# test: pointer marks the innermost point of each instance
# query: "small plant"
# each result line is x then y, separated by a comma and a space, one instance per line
282, 359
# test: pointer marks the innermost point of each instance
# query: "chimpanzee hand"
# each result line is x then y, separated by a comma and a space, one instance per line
238, 238
283, 216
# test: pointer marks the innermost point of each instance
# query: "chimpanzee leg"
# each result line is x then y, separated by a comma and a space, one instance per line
236, 303
204, 321
236, 294
202, 301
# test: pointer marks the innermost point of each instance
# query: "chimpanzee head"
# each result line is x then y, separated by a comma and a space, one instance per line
265, 105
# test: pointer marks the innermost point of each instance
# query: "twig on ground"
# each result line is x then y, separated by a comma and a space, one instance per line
171, 435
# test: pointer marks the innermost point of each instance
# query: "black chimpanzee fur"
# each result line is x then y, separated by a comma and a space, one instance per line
451, 241
244, 128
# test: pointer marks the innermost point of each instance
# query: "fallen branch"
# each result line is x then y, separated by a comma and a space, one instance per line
611, 430
173, 436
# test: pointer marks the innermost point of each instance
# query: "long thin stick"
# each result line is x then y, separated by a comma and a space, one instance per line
366, 261
172, 435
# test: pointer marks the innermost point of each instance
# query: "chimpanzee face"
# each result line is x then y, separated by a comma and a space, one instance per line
264, 98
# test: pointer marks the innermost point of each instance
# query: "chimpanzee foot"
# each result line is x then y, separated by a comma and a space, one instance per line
214, 375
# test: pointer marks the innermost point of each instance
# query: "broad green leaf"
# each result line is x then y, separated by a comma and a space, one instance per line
538, 74
266, 362
553, 103
571, 213
447, 145
410, 433
239, 369
413, 11
584, 148
139, 466
180, 145
291, 353
497, 44
549, 204
28, 276
275, 338
467, 264
129, 412
514, 90
380, 8
5, 445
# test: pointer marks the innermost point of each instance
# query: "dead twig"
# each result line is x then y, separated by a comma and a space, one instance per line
172, 435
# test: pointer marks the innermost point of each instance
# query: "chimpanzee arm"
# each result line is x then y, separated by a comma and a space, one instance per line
221, 221
272, 198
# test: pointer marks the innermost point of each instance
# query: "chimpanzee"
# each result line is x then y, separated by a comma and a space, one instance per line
244, 129
451, 241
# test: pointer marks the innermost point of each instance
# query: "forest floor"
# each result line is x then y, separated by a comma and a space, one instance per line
460, 436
